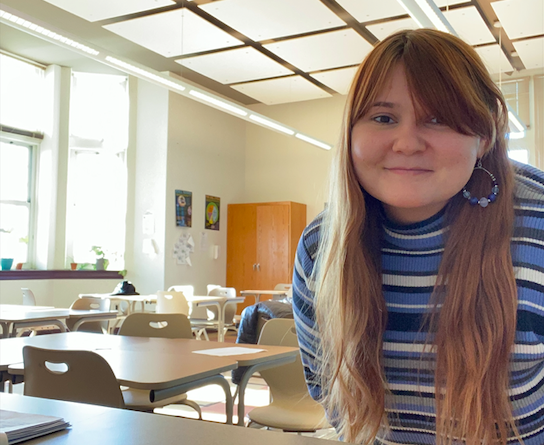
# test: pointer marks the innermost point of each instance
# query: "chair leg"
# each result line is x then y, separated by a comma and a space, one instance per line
193, 405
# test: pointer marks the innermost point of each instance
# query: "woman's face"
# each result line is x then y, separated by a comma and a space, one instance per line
408, 160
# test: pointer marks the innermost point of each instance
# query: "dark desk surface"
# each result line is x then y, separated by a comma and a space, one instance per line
93, 425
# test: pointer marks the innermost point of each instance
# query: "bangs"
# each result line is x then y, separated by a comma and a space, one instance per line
446, 77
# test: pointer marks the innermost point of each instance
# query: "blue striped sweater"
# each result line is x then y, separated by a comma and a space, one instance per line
411, 256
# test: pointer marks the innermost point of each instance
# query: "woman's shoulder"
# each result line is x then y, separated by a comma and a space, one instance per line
529, 188
311, 234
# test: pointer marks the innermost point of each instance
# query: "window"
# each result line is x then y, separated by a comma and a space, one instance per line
97, 178
16, 200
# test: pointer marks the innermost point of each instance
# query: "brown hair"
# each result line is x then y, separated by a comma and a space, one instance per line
475, 326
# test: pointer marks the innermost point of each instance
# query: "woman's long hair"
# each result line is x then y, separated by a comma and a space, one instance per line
476, 291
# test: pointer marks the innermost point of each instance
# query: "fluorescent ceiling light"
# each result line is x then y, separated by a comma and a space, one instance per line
217, 102
151, 75
313, 141
6, 16
516, 121
271, 124
427, 15
516, 135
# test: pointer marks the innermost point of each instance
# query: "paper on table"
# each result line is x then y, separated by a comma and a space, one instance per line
235, 350
19, 427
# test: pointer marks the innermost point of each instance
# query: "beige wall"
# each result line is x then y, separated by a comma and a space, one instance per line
282, 168
206, 150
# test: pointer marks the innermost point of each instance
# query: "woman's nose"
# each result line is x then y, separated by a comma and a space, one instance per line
408, 139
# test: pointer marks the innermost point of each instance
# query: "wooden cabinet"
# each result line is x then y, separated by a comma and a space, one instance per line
261, 243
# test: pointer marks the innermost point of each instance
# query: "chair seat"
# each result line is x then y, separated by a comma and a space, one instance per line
301, 416
139, 399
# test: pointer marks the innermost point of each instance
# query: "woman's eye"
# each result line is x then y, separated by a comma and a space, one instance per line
383, 119
434, 120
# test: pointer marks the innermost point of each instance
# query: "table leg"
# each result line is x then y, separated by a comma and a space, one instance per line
221, 321
245, 379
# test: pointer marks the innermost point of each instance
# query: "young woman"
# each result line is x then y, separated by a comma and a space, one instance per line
419, 292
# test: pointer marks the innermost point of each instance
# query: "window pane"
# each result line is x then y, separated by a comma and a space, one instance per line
21, 94
14, 232
99, 206
14, 171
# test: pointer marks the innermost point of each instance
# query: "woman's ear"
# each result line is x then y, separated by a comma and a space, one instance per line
482, 147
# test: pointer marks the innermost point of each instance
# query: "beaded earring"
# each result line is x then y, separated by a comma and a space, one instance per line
484, 201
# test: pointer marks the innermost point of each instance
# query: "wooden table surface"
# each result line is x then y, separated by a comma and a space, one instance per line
93, 425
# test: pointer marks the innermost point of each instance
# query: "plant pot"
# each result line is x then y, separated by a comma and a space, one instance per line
6, 263
19, 266
73, 266
100, 264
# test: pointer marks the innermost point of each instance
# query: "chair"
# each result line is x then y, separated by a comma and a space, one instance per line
89, 303
145, 324
230, 309
195, 312
292, 408
173, 302
286, 287
86, 377
28, 297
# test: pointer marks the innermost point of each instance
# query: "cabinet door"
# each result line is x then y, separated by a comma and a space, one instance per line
272, 246
241, 246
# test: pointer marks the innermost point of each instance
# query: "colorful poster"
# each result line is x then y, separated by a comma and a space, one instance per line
213, 206
184, 201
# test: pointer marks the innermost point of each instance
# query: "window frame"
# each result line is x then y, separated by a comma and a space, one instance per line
33, 145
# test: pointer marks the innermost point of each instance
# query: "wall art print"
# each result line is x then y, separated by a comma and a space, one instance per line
213, 207
184, 209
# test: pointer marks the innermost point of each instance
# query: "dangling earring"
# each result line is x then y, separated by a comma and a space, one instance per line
483, 202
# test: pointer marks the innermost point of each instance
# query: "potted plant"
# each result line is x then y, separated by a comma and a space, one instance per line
101, 261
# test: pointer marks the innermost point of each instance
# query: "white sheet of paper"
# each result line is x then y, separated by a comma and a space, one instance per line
235, 350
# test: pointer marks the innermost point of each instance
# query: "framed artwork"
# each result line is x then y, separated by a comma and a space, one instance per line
184, 209
213, 207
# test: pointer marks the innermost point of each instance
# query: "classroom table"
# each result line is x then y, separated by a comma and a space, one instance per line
92, 424
276, 294
13, 317
221, 303
164, 367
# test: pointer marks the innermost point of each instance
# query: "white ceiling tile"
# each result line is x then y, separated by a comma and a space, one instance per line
469, 25
280, 91
339, 80
368, 10
520, 18
174, 33
328, 50
236, 65
270, 19
531, 52
104, 9
382, 30
494, 59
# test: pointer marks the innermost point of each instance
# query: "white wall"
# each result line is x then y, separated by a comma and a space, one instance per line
58, 293
282, 168
206, 150
147, 176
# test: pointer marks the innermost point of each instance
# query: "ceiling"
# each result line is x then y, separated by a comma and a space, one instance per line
268, 51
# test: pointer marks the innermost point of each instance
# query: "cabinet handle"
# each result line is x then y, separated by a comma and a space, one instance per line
254, 266
259, 267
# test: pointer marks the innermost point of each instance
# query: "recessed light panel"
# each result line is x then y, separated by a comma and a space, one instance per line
520, 18
105, 9
339, 80
174, 33
236, 65
531, 52
469, 25
369, 10
328, 50
280, 91
494, 59
270, 19
382, 30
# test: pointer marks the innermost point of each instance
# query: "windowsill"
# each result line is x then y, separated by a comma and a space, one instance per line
60, 275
